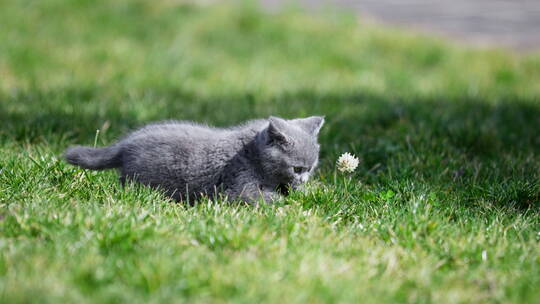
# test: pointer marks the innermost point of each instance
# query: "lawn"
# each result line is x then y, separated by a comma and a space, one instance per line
443, 208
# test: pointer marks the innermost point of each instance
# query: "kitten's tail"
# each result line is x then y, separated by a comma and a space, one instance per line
95, 158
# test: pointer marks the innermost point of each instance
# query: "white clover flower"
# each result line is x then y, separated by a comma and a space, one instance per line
347, 162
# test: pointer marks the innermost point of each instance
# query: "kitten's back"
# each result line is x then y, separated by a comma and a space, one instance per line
182, 153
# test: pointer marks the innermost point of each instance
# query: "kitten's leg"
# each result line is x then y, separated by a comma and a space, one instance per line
270, 196
253, 194
122, 181
308, 186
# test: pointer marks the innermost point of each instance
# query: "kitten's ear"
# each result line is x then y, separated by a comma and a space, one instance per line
276, 129
312, 124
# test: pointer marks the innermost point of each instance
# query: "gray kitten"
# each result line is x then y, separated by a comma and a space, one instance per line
259, 159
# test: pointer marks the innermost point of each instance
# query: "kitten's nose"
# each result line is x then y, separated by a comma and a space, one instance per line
304, 178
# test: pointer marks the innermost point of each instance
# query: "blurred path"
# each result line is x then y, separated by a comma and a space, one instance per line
506, 23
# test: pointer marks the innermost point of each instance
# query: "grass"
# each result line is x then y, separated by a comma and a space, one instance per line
444, 207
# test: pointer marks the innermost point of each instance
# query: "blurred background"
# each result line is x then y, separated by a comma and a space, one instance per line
508, 23
113, 66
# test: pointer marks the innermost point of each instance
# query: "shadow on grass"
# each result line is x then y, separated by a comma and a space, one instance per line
482, 149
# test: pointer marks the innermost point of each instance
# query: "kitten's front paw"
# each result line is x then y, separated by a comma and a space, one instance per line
271, 197
255, 197
309, 186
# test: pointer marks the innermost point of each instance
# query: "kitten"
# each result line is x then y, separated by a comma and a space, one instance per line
257, 160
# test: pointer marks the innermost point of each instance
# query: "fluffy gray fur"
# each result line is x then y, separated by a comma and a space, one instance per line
257, 160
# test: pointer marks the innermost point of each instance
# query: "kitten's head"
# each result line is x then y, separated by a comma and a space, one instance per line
289, 150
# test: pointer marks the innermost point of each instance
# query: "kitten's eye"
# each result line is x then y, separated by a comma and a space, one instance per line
298, 170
